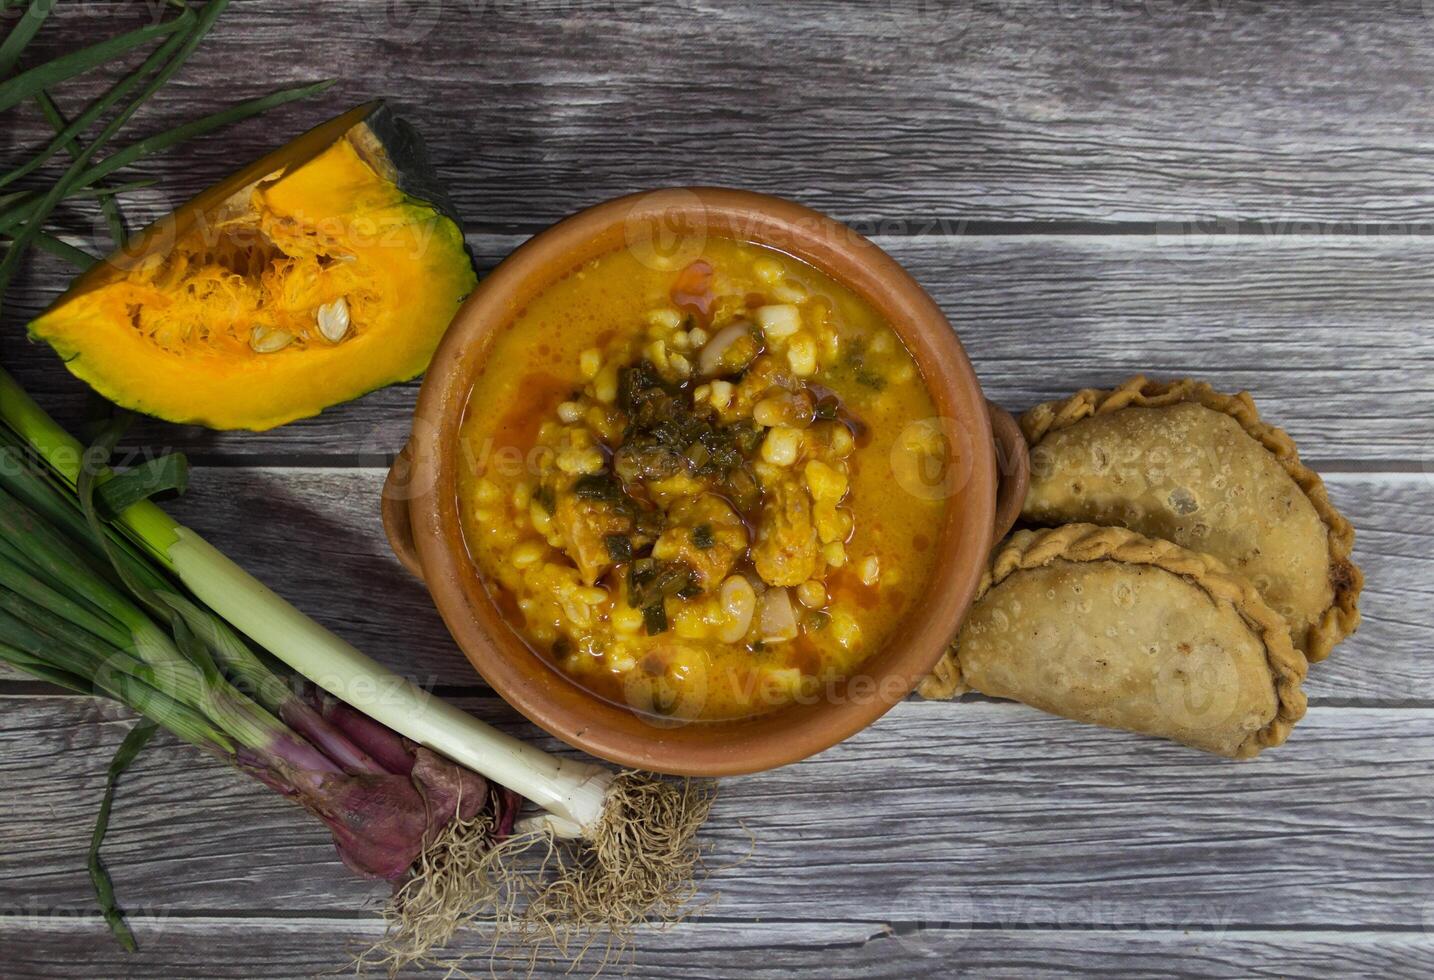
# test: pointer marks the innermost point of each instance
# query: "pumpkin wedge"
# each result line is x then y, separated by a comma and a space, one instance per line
327, 269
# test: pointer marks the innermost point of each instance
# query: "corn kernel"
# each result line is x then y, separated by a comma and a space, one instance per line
802, 356
577, 462
812, 594
842, 443
881, 343
522, 496
688, 624
868, 570
541, 519
782, 445
592, 595
664, 320
834, 554
790, 291
526, 553
570, 412
657, 354
824, 482
485, 491
768, 270
701, 393
625, 619
778, 320
903, 373
680, 365
605, 385
768, 413
845, 629
590, 362
833, 523
696, 337
721, 394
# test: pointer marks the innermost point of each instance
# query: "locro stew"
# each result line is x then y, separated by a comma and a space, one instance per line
703, 488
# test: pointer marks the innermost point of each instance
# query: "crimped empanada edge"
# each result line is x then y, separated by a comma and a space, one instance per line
1342, 617
1090, 543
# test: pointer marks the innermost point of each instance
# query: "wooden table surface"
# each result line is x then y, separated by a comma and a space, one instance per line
1090, 189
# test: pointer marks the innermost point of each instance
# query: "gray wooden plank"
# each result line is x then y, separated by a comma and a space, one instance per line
283, 948
314, 535
980, 813
903, 110
1328, 332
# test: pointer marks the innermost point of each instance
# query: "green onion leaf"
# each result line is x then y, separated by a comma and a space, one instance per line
22, 32
136, 740
654, 617
619, 547
153, 476
107, 204
198, 127
78, 258
65, 138
26, 84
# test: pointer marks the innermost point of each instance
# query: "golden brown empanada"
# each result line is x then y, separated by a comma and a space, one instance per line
1181, 461
1106, 626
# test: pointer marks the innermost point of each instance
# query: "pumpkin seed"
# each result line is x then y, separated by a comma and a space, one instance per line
265, 340
334, 320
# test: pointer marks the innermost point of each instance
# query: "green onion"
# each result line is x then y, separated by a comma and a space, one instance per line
27, 84
135, 741
20, 35
196, 676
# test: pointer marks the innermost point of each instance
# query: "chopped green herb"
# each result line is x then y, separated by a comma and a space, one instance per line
544, 498
597, 486
870, 378
619, 547
654, 617
702, 536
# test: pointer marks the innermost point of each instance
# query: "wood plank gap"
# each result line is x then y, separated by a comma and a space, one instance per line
60, 918
39, 689
950, 226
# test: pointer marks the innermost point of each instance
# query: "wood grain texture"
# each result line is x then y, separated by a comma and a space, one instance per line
969, 813
1329, 333
285, 948
1219, 188
313, 534
891, 111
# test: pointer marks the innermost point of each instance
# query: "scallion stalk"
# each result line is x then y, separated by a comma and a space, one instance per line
636, 854
573, 792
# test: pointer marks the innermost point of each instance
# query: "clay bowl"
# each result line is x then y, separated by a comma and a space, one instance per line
422, 518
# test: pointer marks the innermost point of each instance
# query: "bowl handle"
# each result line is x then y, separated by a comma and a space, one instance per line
394, 507
1013, 468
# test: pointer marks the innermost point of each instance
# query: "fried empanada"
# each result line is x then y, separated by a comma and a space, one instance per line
1106, 626
1180, 461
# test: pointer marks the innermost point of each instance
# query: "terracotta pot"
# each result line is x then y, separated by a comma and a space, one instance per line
422, 518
